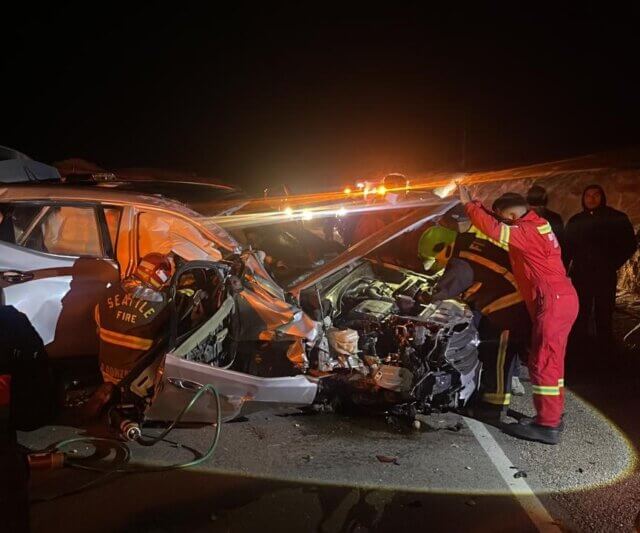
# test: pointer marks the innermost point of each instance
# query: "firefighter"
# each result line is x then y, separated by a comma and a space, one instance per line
131, 318
550, 298
600, 240
477, 269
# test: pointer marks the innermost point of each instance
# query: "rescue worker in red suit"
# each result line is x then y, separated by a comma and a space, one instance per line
550, 298
130, 319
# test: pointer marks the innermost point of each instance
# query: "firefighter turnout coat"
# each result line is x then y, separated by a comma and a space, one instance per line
128, 328
479, 271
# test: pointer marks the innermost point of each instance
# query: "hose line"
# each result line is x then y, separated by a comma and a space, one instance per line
150, 441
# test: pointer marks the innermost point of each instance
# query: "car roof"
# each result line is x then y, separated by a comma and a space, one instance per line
89, 194
106, 194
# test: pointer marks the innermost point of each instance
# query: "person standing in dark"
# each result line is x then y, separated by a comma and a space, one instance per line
598, 241
537, 199
7, 231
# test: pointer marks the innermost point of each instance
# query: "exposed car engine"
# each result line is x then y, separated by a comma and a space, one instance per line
387, 350
363, 338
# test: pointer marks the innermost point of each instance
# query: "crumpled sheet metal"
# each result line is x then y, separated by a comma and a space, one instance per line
164, 233
296, 353
261, 314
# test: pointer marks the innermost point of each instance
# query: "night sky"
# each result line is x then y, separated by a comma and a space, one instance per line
263, 95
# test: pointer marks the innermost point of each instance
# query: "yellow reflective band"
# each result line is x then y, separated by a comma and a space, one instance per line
502, 303
561, 382
490, 265
502, 353
544, 229
126, 341
505, 234
471, 290
496, 399
484, 237
546, 391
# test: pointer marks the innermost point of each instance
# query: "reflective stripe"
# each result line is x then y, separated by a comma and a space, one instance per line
491, 265
502, 353
497, 399
505, 234
561, 382
544, 229
502, 303
471, 290
126, 341
543, 390
484, 237
96, 314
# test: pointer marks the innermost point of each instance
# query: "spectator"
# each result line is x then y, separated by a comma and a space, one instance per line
599, 240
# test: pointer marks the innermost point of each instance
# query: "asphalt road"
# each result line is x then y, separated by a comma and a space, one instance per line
285, 471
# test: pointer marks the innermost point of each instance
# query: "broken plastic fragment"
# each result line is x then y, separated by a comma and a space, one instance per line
387, 459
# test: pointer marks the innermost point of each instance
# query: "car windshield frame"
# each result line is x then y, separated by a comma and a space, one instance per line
415, 218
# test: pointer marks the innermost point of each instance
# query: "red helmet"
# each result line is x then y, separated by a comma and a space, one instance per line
155, 270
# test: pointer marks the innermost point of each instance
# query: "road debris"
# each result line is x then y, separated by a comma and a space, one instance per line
388, 459
519, 474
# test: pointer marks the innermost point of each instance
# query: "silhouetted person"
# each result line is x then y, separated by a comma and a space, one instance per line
599, 240
537, 199
26, 403
7, 230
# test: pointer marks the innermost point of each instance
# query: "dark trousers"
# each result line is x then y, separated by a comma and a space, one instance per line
597, 297
498, 352
14, 483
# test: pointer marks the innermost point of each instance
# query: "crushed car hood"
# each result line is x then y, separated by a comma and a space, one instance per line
404, 224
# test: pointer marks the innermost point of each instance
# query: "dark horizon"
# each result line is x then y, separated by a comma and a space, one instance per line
311, 100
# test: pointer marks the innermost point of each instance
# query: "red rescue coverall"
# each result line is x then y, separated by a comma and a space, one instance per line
549, 295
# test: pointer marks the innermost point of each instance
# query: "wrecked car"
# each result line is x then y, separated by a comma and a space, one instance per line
352, 332
70, 243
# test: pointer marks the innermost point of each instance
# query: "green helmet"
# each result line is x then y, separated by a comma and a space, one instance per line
434, 240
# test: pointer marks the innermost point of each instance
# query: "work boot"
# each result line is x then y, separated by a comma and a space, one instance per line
517, 388
533, 432
528, 420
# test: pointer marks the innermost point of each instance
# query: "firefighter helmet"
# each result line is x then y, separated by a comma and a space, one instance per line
155, 270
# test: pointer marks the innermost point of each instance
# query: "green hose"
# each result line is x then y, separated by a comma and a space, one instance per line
152, 441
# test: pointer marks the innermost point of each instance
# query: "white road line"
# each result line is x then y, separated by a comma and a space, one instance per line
518, 486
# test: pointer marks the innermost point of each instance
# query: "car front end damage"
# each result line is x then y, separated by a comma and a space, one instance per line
357, 338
